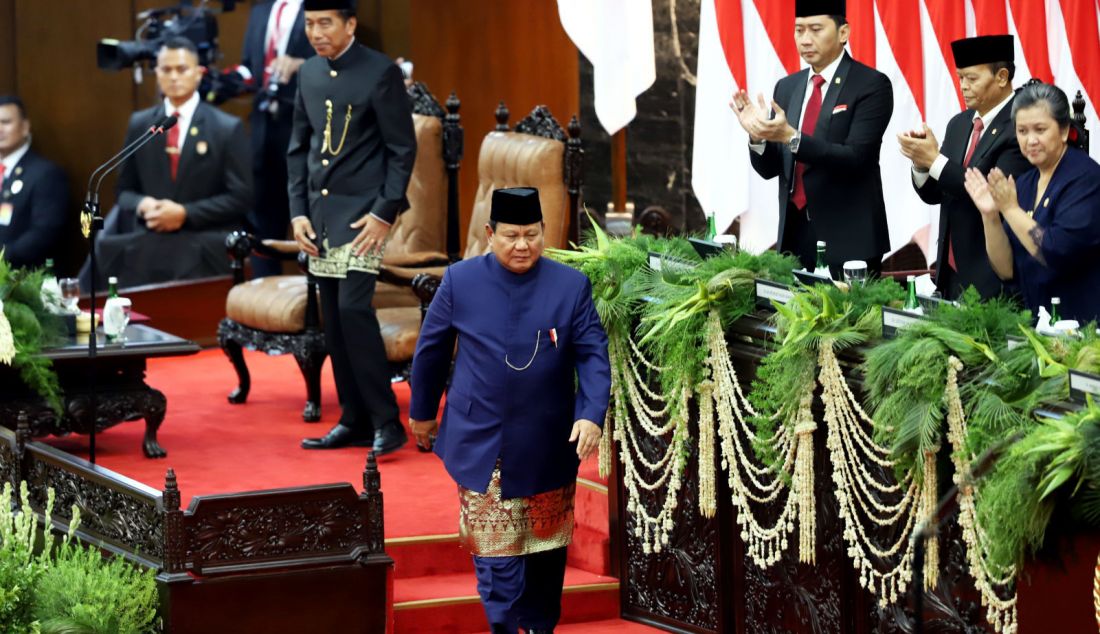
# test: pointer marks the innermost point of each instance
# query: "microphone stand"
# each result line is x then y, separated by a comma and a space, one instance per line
930, 527
90, 223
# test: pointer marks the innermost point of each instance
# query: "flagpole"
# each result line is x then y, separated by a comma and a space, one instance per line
618, 170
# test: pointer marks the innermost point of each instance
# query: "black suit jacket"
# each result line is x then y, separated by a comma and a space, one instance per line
214, 182
842, 178
959, 218
371, 172
271, 133
39, 211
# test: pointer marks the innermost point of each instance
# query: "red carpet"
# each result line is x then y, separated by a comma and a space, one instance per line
216, 447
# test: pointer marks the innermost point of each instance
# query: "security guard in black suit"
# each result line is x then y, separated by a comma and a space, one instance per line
981, 136
275, 47
349, 162
34, 194
182, 193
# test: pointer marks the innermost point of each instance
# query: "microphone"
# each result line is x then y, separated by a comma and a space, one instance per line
159, 123
163, 125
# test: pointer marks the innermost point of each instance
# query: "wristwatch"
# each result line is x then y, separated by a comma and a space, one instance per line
794, 142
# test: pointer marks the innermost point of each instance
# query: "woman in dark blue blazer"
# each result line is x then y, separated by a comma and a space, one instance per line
1044, 231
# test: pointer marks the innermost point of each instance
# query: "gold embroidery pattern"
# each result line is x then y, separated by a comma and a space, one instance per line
337, 262
327, 145
492, 527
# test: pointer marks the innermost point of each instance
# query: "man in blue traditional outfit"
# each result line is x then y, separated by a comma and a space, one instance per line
525, 405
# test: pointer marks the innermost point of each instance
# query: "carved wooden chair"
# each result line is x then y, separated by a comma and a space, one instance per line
537, 153
281, 314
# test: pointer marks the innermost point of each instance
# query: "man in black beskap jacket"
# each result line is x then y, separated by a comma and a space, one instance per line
823, 143
34, 194
349, 162
982, 136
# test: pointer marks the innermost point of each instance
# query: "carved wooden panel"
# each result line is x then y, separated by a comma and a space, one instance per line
106, 513
681, 584
248, 529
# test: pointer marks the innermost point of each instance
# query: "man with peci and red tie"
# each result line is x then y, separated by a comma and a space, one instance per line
182, 193
275, 47
982, 136
821, 135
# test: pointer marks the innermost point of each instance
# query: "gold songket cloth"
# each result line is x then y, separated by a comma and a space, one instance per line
337, 262
492, 527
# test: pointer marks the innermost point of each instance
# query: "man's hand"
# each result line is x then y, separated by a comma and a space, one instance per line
747, 114
305, 236
777, 128
284, 67
146, 205
424, 431
166, 216
371, 236
587, 436
920, 146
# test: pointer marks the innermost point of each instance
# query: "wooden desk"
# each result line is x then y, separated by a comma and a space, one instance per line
119, 380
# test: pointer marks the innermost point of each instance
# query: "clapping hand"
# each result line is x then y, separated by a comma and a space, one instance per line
920, 146
756, 118
978, 188
1003, 190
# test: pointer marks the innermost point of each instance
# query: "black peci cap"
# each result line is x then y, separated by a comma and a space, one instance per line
328, 5
806, 8
516, 206
985, 49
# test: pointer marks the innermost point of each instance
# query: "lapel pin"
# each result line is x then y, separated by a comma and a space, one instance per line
836, 81
201, 147
993, 131
18, 171
194, 131
554, 336
16, 187
1046, 203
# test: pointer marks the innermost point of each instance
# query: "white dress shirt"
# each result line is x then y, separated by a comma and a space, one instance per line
828, 73
920, 178
185, 112
290, 15
10, 161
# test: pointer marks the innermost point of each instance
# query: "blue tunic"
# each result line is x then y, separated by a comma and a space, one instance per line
515, 393
1069, 214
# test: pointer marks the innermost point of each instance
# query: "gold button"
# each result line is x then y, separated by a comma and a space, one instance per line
332, 73
324, 192
324, 162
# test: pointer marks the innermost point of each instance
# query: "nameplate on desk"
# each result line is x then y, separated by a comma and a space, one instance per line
766, 292
1081, 383
894, 320
662, 263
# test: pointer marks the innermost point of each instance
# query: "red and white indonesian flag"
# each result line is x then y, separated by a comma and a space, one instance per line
617, 38
750, 44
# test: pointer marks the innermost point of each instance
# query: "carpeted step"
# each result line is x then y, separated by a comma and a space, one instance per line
428, 555
449, 603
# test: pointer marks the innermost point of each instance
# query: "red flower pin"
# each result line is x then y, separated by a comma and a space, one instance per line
554, 336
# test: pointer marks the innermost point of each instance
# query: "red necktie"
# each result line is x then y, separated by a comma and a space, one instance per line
172, 146
2, 169
975, 136
272, 50
809, 122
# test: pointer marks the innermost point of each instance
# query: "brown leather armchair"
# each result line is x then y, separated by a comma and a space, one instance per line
281, 314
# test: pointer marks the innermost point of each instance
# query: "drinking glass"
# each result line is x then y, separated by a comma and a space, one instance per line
855, 272
116, 315
70, 294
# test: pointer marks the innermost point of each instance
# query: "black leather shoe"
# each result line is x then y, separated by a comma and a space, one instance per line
339, 436
389, 438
